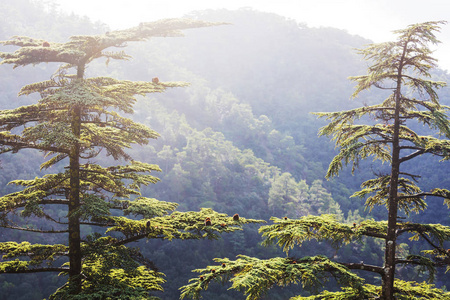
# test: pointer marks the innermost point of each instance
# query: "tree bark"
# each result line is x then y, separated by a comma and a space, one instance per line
389, 258
74, 204
75, 256
389, 264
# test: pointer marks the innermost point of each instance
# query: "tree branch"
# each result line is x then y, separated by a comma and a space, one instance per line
421, 195
411, 175
412, 155
16, 146
44, 201
33, 230
364, 267
97, 224
131, 239
377, 235
425, 237
37, 270
431, 243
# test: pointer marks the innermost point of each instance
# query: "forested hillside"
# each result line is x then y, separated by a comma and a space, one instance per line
239, 139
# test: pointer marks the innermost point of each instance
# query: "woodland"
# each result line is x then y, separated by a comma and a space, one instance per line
230, 119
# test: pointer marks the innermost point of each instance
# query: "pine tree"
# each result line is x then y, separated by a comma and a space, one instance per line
76, 120
402, 68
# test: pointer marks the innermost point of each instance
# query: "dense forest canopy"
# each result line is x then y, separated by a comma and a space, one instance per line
239, 139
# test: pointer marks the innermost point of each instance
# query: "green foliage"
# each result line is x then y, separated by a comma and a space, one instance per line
113, 272
288, 233
255, 276
181, 225
291, 232
403, 290
377, 192
93, 208
294, 199
285, 194
120, 181
147, 207
367, 291
117, 284
348, 136
407, 290
436, 232
37, 253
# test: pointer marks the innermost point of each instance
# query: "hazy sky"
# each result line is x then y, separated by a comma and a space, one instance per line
373, 19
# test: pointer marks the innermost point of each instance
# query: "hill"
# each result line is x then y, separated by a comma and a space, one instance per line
239, 139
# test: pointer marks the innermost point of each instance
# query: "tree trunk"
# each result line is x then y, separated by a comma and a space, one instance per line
389, 264
74, 204
389, 258
75, 256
